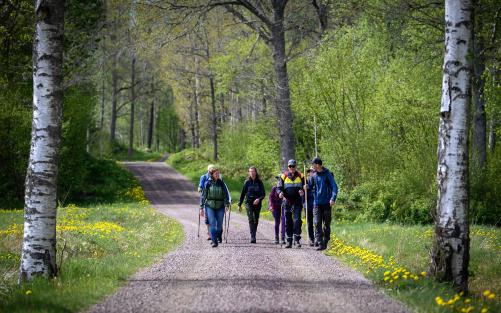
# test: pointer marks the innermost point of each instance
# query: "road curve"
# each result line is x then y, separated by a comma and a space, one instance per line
237, 276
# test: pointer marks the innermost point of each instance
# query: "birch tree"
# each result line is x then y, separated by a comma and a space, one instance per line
39, 244
450, 252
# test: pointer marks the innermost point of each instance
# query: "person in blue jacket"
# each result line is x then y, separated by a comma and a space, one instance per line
203, 179
325, 191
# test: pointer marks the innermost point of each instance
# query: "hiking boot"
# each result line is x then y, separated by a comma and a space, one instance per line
214, 244
288, 245
219, 239
320, 248
297, 243
283, 241
277, 241
317, 244
253, 240
311, 243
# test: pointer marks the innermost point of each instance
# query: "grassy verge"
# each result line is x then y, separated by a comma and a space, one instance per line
396, 259
99, 247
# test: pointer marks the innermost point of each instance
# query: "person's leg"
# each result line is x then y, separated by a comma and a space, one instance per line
289, 227
276, 217
317, 220
297, 208
252, 221
257, 212
207, 223
219, 222
282, 222
212, 222
327, 224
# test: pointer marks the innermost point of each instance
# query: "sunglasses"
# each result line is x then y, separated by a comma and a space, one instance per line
292, 166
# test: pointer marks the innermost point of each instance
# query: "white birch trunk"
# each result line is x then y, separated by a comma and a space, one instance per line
450, 253
39, 244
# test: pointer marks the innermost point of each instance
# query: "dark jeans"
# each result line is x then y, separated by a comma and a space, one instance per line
293, 220
253, 212
279, 217
216, 222
322, 215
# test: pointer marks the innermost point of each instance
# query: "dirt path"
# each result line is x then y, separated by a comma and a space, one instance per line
237, 276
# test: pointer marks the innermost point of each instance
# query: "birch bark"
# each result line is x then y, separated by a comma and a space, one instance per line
450, 252
38, 256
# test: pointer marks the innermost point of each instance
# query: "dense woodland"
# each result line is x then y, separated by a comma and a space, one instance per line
223, 79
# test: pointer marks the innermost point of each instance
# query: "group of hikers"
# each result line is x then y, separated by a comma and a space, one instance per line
317, 193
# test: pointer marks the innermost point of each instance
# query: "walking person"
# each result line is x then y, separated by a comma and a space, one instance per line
290, 190
275, 206
308, 205
253, 193
325, 191
215, 200
201, 184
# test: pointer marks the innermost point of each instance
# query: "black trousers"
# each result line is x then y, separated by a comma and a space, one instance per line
253, 212
322, 216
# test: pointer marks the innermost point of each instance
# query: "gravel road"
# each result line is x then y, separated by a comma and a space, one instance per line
237, 276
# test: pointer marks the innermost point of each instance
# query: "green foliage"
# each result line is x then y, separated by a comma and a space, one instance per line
250, 144
375, 112
409, 247
15, 129
103, 248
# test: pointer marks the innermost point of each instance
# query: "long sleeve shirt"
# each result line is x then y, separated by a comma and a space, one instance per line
252, 190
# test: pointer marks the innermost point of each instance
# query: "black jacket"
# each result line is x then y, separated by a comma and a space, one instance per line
252, 190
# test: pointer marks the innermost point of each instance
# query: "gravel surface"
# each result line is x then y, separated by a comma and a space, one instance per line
237, 276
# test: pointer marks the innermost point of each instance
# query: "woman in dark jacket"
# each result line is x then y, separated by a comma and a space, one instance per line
253, 193
215, 198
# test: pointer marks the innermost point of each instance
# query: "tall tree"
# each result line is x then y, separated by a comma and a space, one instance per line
450, 252
39, 243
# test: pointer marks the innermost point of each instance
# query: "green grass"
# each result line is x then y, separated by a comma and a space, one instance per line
97, 257
409, 246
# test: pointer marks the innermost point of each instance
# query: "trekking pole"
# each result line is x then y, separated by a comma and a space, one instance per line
228, 226
198, 233
224, 226
306, 200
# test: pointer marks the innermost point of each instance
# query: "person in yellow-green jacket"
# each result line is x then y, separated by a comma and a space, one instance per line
290, 190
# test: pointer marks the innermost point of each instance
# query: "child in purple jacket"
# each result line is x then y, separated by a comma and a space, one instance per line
275, 206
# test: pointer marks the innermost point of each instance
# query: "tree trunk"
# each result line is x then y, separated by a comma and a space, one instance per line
152, 115
479, 143
283, 101
132, 106
223, 110
214, 116
39, 243
114, 97
450, 252
197, 103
